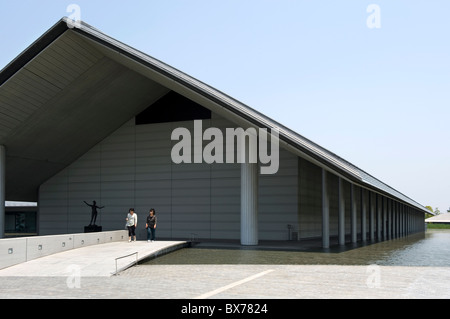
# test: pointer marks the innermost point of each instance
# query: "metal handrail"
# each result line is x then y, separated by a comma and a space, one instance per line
136, 253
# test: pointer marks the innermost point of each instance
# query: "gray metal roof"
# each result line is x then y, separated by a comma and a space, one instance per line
161, 75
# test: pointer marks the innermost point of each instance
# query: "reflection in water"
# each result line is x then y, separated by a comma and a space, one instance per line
431, 249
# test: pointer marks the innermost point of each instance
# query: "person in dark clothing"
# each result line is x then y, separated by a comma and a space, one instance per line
151, 225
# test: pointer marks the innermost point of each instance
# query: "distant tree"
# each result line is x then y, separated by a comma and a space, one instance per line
435, 212
431, 210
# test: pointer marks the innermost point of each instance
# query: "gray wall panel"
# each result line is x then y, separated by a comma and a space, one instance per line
278, 200
333, 191
133, 168
310, 199
225, 193
348, 207
53, 208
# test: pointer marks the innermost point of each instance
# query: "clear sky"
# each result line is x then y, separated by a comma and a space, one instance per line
378, 97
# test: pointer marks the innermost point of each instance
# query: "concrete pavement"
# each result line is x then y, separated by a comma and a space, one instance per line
87, 273
240, 282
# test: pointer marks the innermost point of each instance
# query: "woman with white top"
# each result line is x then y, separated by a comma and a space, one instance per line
131, 224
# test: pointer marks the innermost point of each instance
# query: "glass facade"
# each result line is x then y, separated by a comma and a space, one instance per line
20, 221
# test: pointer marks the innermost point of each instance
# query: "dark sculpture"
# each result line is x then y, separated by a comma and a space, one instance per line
94, 211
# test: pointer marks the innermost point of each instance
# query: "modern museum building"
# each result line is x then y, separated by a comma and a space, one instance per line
84, 117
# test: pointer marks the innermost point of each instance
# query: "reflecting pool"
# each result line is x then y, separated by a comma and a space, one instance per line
429, 249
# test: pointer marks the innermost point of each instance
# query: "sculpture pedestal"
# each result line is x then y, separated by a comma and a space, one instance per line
92, 229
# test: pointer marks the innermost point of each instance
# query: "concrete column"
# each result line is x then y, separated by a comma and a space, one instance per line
249, 204
403, 221
392, 220
325, 211
2, 190
379, 216
405, 216
341, 221
415, 221
407, 221
395, 220
363, 216
419, 222
385, 220
389, 214
422, 221
418, 227
371, 216
353, 214
394, 234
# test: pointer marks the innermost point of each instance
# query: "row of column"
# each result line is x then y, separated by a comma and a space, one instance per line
386, 217
2, 190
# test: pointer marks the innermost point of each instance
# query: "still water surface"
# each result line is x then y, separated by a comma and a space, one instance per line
429, 249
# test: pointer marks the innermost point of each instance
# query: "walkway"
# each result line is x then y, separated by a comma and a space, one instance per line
96, 260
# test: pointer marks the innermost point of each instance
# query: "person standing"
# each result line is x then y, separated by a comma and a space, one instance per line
151, 225
131, 224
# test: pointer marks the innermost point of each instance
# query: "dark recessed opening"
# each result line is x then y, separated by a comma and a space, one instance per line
172, 107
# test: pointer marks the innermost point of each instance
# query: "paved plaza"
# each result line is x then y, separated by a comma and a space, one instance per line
88, 273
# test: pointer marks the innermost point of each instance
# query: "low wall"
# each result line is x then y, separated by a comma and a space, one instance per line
18, 250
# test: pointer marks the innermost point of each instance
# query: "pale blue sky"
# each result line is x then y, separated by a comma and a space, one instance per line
379, 98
